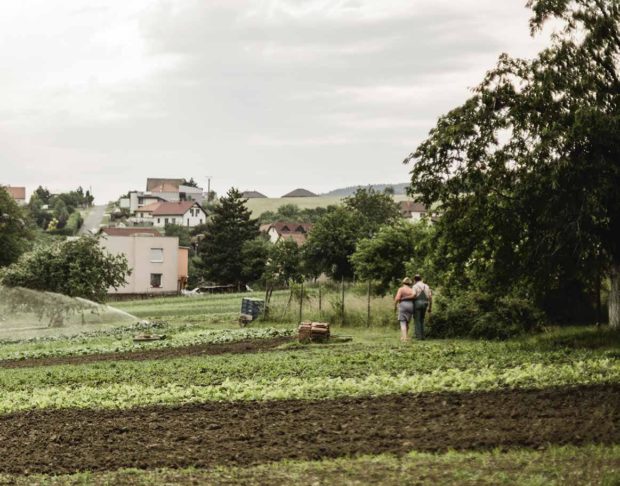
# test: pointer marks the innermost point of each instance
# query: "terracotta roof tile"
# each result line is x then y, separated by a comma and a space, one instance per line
17, 192
173, 208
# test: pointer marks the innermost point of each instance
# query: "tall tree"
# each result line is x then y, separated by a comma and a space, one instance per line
374, 209
527, 170
229, 227
331, 242
386, 257
14, 231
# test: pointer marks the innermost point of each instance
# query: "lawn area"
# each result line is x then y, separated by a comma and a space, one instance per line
104, 409
260, 205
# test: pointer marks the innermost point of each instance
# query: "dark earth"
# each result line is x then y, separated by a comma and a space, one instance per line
245, 433
251, 346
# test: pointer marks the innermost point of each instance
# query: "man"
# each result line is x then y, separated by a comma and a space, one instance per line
422, 301
404, 304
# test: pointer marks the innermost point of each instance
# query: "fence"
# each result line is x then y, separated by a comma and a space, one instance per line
347, 304
344, 303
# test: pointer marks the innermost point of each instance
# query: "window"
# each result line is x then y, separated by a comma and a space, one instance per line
156, 280
158, 220
157, 255
200, 220
165, 220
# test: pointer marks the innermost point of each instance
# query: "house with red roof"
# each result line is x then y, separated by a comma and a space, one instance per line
160, 214
17, 193
282, 230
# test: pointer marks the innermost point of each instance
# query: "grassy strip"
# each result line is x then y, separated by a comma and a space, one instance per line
127, 395
553, 466
123, 342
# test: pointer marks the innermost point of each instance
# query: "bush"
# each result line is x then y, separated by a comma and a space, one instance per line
483, 316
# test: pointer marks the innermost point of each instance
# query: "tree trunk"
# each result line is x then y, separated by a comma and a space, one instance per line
614, 296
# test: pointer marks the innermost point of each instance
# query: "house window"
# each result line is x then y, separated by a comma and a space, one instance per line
156, 280
165, 220
200, 220
157, 255
158, 220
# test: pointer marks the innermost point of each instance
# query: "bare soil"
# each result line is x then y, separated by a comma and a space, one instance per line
252, 346
245, 433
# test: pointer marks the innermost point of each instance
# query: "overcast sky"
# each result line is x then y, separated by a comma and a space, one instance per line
260, 94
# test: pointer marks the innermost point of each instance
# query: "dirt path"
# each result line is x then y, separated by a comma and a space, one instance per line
243, 433
253, 346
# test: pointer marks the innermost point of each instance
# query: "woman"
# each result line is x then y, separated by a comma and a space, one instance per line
404, 300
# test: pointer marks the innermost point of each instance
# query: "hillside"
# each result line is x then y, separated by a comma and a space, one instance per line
259, 206
399, 189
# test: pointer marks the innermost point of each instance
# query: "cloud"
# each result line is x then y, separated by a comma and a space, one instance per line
120, 90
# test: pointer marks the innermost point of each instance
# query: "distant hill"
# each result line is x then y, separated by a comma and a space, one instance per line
399, 189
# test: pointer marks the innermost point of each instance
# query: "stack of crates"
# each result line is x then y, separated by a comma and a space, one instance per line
252, 307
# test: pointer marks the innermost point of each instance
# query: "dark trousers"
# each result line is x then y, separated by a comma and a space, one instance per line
419, 311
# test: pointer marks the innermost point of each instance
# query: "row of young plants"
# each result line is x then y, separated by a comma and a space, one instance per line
121, 340
555, 465
350, 360
129, 395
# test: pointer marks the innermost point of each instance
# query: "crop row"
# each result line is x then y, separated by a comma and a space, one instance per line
127, 395
555, 465
117, 343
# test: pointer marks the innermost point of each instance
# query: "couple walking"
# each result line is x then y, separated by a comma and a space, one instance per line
413, 300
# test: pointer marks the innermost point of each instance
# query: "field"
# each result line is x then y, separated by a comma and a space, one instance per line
259, 205
217, 404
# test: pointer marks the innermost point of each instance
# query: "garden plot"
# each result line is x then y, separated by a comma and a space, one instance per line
213, 400
231, 433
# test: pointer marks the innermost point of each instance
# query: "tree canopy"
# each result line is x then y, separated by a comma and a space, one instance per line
76, 268
226, 232
527, 170
14, 230
331, 242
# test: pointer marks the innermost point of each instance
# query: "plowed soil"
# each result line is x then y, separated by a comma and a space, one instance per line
244, 433
253, 346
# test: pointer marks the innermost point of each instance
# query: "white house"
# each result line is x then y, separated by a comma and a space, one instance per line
184, 213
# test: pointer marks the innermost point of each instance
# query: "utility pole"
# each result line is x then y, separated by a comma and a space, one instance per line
208, 188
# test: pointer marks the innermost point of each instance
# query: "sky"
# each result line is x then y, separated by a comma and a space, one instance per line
266, 95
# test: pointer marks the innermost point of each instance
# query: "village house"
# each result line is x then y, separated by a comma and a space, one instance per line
158, 264
297, 232
17, 193
411, 210
161, 190
160, 214
184, 213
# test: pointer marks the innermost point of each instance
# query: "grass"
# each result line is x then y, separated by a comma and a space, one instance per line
588, 465
325, 306
260, 205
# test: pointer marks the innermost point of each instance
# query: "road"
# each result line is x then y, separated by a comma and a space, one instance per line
93, 219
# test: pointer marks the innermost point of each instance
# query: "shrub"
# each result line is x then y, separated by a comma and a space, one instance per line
481, 315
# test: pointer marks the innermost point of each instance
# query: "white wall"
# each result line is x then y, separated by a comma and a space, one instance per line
137, 250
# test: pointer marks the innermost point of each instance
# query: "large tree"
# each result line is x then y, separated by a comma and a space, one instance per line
392, 251
527, 170
226, 232
14, 231
331, 242
374, 209
77, 268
